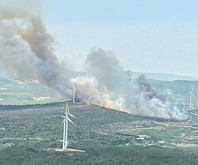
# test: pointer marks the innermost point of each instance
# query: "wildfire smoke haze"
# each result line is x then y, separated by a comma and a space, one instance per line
27, 49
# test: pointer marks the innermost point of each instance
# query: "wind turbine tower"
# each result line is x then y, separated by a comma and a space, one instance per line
191, 96
66, 121
141, 94
74, 92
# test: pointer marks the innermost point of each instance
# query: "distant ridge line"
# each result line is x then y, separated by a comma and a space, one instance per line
165, 77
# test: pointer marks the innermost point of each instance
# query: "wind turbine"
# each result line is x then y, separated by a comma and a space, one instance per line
141, 94
191, 96
65, 123
142, 83
74, 92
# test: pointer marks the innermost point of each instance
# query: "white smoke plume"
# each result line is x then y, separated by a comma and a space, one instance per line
27, 49
86, 87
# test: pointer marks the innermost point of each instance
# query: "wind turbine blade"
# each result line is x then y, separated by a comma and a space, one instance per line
72, 115
72, 122
192, 93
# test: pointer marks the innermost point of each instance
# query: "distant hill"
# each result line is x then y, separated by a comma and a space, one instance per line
154, 76
164, 77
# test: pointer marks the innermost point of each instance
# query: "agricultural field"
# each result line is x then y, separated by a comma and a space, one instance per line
23, 92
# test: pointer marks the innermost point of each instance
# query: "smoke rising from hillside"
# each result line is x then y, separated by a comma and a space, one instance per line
105, 67
123, 94
27, 49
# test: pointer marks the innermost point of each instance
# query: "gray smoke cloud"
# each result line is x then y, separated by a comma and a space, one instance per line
105, 67
27, 49
123, 94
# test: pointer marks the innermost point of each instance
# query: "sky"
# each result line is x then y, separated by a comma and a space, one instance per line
146, 36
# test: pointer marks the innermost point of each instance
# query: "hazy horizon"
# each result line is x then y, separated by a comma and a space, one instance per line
156, 37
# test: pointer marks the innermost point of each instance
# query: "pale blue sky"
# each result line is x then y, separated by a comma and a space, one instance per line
145, 35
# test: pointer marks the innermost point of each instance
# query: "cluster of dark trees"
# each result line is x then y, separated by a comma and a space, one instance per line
98, 154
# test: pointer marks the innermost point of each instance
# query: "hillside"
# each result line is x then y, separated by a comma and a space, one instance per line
22, 92
29, 133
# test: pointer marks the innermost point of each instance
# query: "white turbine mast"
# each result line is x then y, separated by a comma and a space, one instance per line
74, 92
141, 94
191, 96
142, 89
65, 123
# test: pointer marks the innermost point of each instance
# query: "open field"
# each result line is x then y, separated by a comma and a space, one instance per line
22, 92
